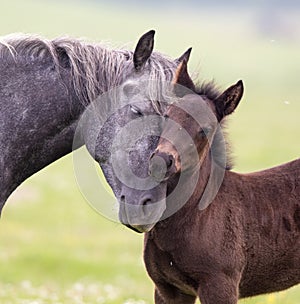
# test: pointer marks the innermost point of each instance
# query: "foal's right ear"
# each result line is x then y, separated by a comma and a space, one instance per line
227, 102
143, 50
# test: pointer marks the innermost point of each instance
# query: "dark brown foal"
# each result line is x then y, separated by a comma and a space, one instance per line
244, 240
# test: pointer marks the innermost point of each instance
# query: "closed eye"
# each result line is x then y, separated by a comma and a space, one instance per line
204, 132
136, 110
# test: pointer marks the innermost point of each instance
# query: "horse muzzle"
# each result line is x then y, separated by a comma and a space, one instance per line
140, 210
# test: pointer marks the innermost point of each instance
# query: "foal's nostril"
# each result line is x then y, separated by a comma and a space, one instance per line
160, 165
169, 161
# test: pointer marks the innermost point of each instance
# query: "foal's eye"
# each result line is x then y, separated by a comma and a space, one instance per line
204, 132
136, 111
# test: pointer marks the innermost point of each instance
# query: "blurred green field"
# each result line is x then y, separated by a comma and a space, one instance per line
53, 247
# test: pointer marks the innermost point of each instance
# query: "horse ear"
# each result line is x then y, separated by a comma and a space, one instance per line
143, 50
227, 102
182, 76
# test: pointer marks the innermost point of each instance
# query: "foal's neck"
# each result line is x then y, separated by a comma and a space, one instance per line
202, 175
189, 212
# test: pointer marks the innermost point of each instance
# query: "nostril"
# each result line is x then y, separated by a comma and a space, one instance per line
152, 155
146, 201
170, 161
122, 198
161, 164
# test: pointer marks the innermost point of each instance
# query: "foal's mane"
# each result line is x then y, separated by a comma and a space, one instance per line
95, 68
212, 92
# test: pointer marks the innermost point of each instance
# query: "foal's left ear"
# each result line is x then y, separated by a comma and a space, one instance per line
227, 102
185, 56
182, 76
143, 50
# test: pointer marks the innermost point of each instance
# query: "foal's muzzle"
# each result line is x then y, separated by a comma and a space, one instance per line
161, 166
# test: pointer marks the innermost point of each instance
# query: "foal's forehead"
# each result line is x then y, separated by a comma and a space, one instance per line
193, 105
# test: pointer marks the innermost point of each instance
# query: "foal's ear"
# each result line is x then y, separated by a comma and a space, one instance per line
227, 102
143, 50
185, 55
182, 76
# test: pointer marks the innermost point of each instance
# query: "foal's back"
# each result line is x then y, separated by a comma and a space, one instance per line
270, 202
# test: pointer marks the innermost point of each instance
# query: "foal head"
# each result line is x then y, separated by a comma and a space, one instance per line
192, 123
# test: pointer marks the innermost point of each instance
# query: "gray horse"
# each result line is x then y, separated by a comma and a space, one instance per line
46, 85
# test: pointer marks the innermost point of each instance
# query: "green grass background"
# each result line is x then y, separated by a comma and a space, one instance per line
53, 247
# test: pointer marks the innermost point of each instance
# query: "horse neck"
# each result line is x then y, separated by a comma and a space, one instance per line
38, 124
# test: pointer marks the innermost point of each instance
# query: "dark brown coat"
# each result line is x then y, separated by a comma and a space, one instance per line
246, 242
